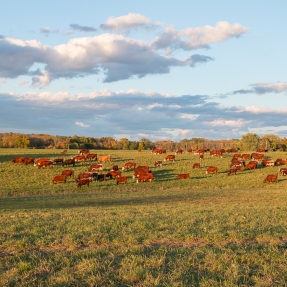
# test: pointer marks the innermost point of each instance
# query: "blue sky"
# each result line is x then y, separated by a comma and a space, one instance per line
160, 70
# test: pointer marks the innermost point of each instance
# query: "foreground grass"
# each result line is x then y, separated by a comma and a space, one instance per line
159, 238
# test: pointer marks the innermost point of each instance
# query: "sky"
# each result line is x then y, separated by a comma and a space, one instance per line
161, 70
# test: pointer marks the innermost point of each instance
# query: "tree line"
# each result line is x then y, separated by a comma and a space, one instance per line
249, 141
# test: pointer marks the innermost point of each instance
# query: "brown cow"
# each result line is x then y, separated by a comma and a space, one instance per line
268, 162
245, 156
83, 181
142, 169
170, 157
101, 177
251, 165
64, 151
68, 172
59, 178
92, 156
280, 161
28, 160
157, 163
183, 176
96, 166
104, 158
190, 150
211, 169
283, 170
39, 160
260, 150
232, 171
129, 165
18, 159
115, 167
270, 178
57, 160
179, 151
113, 174
145, 177
45, 163
84, 151
69, 161
87, 175
122, 179
80, 158
196, 165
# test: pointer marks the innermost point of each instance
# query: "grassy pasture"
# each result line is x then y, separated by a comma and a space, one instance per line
211, 230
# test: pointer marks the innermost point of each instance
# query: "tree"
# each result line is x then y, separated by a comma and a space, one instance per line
249, 142
146, 143
270, 141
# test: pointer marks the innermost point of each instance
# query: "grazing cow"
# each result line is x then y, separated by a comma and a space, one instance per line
92, 156
179, 151
64, 151
284, 172
183, 176
157, 163
96, 166
18, 159
45, 163
216, 153
283, 169
245, 156
113, 174
232, 171
59, 178
115, 167
190, 150
196, 165
83, 181
237, 163
39, 160
57, 160
257, 156
87, 175
251, 165
268, 162
104, 158
170, 157
70, 161
158, 151
28, 160
211, 169
129, 165
270, 178
260, 150
68, 172
145, 177
101, 177
122, 179
81, 158
142, 169
139, 150
280, 161
84, 151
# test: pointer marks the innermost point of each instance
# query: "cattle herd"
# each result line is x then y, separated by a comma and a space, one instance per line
97, 172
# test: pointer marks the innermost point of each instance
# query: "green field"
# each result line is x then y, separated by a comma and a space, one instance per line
211, 230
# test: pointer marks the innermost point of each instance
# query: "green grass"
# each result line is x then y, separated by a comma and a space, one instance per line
214, 230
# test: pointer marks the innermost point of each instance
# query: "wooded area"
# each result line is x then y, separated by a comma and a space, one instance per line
249, 141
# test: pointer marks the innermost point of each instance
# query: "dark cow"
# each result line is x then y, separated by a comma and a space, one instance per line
45, 163
58, 160
129, 165
211, 169
196, 165
59, 178
68, 172
157, 163
170, 157
145, 177
101, 177
232, 171
115, 167
104, 158
18, 159
70, 161
96, 166
92, 156
270, 178
183, 176
122, 179
83, 181
28, 160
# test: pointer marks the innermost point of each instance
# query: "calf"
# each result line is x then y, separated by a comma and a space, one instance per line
59, 178
270, 178
183, 176
122, 179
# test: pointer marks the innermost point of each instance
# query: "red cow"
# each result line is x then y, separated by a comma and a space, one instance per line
64, 151
81, 158
91, 156
170, 157
142, 169
87, 175
96, 166
139, 150
122, 179
189, 150
18, 159
179, 151
260, 150
232, 171
283, 170
211, 169
270, 178
157, 163
257, 156
268, 162
83, 181
113, 174
59, 178
196, 165
68, 172
280, 161
245, 156
84, 151
45, 163
28, 160
183, 176
251, 165
129, 165
39, 160
145, 177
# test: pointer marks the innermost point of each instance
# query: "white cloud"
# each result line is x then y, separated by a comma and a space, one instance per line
81, 124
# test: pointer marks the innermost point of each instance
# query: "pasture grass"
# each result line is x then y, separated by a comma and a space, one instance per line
211, 230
